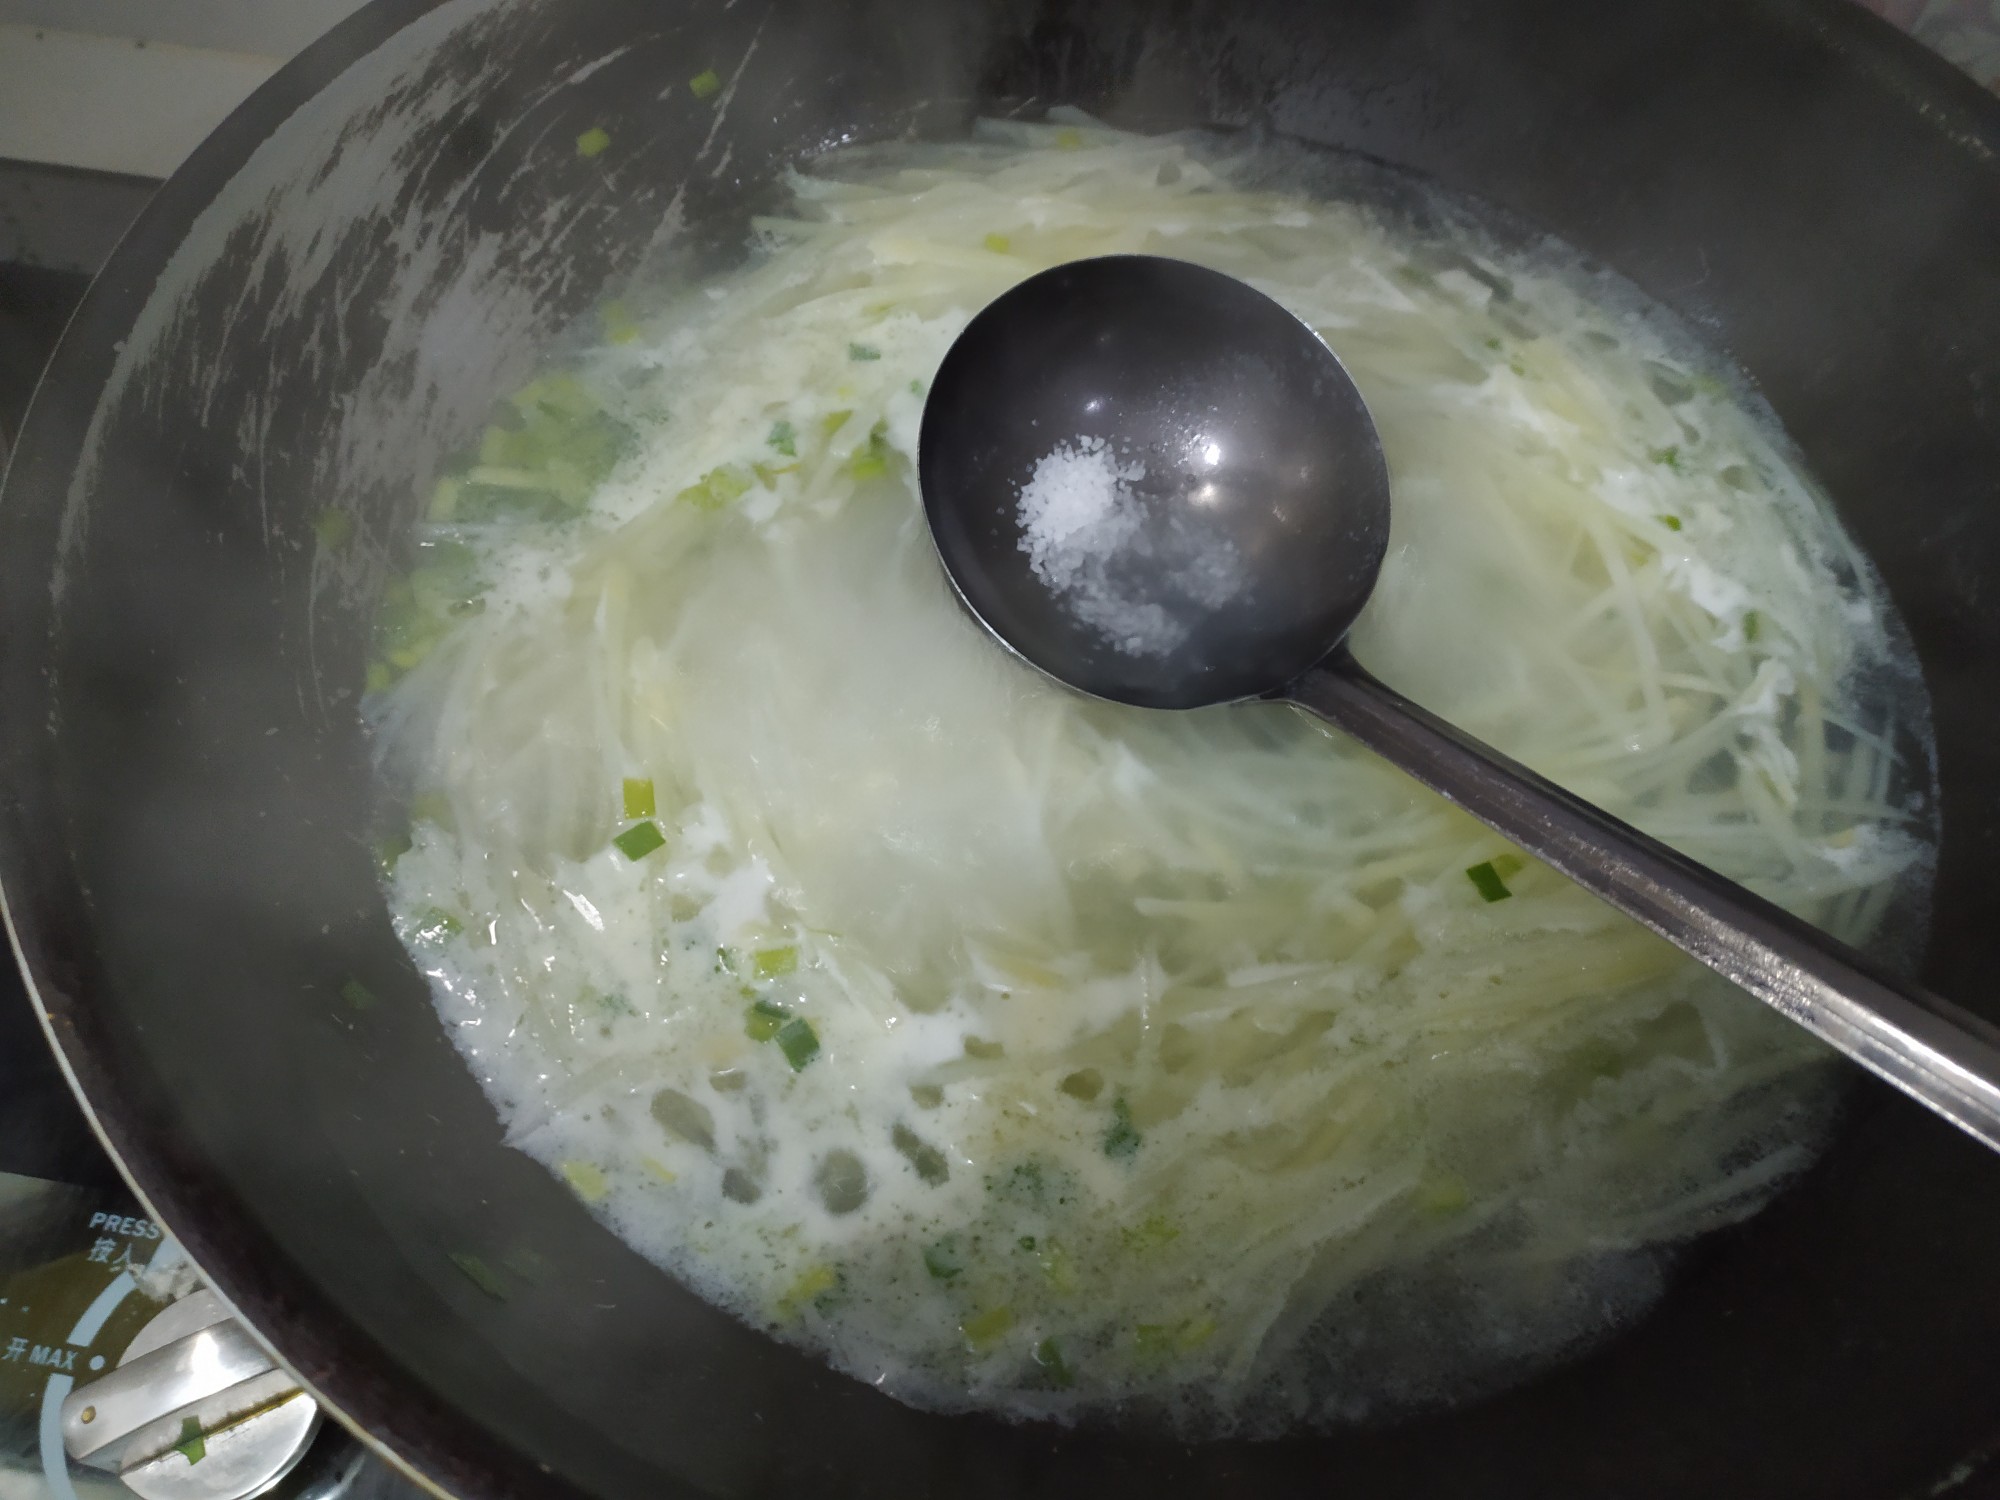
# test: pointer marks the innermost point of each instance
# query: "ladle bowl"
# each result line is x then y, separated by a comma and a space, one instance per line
1224, 436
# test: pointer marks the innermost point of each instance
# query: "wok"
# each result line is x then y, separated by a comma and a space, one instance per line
324, 303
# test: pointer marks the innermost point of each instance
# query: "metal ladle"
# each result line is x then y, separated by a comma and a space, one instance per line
1159, 487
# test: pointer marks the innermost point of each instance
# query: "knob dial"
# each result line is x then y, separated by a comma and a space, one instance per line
194, 1410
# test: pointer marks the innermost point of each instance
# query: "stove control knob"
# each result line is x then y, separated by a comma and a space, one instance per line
195, 1410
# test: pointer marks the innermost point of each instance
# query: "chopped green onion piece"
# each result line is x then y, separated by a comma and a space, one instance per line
1444, 1194
480, 1274
1068, 140
418, 608
392, 848
640, 840
1487, 880
1151, 1234
687, 1118
192, 1446
862, 353
1750, 623
763, 1021
380, 676
1672, 523
871, 461
812, 1286
660, 1170
1085, 1084
1173, 1338
431, 807
716, 488
1508, 865
925, 1159
916, 387
1121, 1141
358, 995
1493, 343
619, 327
769, 963
999, 244
942, 1260
705, 84
552, 443
783, 438
639, 799
799, 1042
588, 1181
987, 1329
592, 142
833, 421
444, 499
1056, 1266
1048, 1354
1669, 457
436, 925
333, 527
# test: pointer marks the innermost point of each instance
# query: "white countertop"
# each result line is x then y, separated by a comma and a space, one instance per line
132, 86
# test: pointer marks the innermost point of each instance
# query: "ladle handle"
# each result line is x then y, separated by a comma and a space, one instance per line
1927, 1047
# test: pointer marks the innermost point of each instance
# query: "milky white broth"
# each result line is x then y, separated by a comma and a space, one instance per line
1023, 1053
